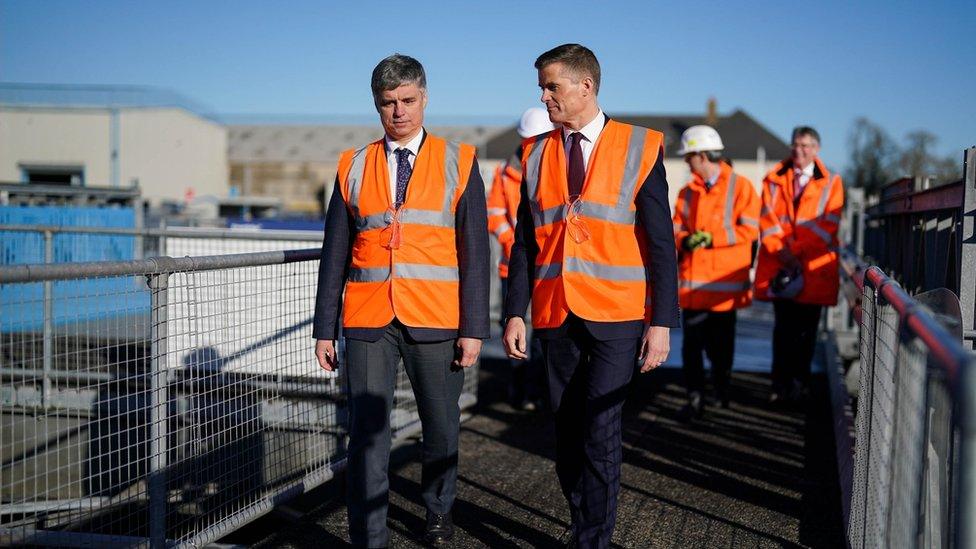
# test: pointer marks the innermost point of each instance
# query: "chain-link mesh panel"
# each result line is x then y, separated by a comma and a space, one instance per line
908, 440
862, 448
168, 408
882, 413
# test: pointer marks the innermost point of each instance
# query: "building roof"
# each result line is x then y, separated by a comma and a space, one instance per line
741, 134
97, 96
324, 143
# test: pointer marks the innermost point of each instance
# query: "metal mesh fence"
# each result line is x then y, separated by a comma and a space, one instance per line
906, 425
166, 406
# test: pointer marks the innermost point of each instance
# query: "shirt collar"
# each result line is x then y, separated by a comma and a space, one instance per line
413, 145
808, 171
592, 130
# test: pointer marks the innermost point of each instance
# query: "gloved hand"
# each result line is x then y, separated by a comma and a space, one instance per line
699, 239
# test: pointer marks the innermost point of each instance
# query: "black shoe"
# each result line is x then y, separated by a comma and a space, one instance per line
722, 398
440, 529
693, 409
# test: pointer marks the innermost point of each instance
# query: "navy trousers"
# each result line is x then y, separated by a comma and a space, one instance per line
371, 373
711, 333
587, 386
794, 343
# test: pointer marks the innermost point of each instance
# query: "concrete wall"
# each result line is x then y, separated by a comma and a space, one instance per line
167, 150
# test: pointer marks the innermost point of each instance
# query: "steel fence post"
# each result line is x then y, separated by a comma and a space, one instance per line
48, 322
158, 409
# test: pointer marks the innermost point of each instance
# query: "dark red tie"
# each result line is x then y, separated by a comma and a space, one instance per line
576, 171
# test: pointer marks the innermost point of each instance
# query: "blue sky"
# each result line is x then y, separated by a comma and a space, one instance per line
905, 65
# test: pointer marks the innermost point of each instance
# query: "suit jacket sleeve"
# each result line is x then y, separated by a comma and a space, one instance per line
520, 265
333, 267
654, 214
474, 257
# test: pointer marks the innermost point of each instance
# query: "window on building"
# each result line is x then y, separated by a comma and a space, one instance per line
54, 175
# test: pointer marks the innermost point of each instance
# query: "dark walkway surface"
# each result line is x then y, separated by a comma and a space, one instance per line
742, 477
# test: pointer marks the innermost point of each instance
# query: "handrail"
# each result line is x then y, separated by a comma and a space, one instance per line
156, 265
950, 354
179, 232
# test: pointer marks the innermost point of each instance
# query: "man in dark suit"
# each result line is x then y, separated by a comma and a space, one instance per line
594, 252
405, 241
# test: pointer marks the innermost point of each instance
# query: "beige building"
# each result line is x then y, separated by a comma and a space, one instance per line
111, 137
296, 162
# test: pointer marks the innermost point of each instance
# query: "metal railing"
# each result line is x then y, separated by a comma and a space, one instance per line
165, 401
913, 477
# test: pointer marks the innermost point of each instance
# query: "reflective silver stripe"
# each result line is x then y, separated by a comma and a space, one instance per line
451, 174
771, 231
784, 219
497, 211
425, 272
532, 165
678, 227
817, 229
715, 286
748, 221
373, 221
502, 229
686, 201
548, 270
833, 218
547, 216
824, 195
729, 203
428, 217
635, 149
764, 211
596, 210
606, 272
354, 181
369, 274
773, 193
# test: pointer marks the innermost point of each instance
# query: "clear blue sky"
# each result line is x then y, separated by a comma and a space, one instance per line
905, 65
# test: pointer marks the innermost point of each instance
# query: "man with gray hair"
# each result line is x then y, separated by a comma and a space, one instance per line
405, 243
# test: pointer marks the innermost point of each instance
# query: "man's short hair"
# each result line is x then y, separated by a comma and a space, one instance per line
801, 131
578, 59
395, 71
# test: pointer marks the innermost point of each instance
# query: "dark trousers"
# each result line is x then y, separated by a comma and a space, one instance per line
528, 376
587, 385
794, 341
371, 373
711, 333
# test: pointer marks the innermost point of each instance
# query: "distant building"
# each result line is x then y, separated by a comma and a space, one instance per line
296, 162
751, 147
111, 136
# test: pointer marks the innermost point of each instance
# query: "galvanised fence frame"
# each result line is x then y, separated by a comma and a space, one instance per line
165, 402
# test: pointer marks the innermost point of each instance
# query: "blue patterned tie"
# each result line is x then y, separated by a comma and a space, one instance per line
403, 175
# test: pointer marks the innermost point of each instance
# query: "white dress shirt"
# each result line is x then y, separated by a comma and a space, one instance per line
805, 175
391, 160
591, 132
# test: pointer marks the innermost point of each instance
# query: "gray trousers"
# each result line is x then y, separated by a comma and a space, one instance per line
371, 373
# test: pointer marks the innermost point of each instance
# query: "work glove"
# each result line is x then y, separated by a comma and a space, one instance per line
698, 239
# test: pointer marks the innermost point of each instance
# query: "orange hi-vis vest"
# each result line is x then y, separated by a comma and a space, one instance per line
808, 227
503, 201
717, 278
592, 257
404, 261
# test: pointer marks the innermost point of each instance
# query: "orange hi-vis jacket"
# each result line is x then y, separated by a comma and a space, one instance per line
808, 229
717, 278
591, 260
503, 201
404, 262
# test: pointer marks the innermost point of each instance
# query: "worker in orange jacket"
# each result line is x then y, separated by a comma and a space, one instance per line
798, 268
716, 221
527, 383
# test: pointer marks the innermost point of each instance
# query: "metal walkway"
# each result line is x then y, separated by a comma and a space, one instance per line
742, 477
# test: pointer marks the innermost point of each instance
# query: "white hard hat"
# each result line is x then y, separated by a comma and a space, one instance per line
700, 139
535, 120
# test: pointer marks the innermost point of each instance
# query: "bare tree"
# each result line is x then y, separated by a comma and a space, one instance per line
918, 159
873, 156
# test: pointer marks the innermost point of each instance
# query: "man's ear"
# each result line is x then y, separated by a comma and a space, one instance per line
587, 85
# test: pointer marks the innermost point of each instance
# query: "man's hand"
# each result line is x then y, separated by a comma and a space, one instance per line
325, 352
787, 258
655, 346
514, 338
469, 349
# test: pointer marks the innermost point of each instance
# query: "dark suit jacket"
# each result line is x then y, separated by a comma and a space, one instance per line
474, 265
654, 216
